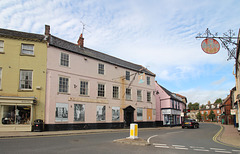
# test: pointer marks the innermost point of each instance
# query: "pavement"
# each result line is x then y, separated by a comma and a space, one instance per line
227, 135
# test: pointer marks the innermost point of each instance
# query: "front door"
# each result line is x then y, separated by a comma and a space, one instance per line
128, 116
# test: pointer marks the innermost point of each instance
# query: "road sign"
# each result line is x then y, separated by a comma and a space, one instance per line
210, 46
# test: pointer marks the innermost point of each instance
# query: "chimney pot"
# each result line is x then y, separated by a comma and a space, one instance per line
80, 41
47, 30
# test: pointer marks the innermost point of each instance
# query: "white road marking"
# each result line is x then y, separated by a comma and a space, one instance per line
200, 150
160, 144
148, 140
156, 146
224, 151
236, 150
193, 147
178, 145
217, 149
174, 132
181, 148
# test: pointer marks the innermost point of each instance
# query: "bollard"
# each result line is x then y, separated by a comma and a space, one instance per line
133, 131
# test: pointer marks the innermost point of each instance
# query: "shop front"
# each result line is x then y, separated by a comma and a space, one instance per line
171, 117
16, 113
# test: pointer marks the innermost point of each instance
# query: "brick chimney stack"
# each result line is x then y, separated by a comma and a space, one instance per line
80, 41
47, 30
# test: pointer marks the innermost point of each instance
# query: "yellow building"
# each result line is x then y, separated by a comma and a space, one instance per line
23, 59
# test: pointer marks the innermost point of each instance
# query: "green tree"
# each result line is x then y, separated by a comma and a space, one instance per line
218, 101
211, 115
205, 115
190, 105
194, 106
199, 116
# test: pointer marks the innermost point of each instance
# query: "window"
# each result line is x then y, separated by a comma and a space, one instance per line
101, 113
115, 92
100, 68
83, 88
16, 114
64, 59
25, 79
1, 46
148, 80
79, 112
61, 112
139, 95
139, 114
127, 75
148, 96
115, 113
172, 103
128, 94
0, 78
27, 49
101, 90
63, 85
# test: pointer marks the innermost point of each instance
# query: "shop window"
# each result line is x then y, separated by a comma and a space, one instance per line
1, 46
101, 113
16, 114
115, 113
64, 61
27, 49
25, 79
61, 112
79, 112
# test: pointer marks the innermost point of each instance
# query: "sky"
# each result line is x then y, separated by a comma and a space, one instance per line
158, 34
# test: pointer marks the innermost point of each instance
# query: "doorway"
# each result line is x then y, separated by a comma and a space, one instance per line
128, 116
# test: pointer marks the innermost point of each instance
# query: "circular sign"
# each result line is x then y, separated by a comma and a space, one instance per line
210, 46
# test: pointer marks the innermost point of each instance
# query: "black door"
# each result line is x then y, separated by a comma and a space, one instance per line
128, 116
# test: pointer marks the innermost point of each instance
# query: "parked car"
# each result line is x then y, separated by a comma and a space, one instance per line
190, 123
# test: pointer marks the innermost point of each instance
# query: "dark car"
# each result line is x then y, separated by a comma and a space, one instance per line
190, 123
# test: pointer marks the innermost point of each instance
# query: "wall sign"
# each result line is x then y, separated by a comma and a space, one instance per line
210, 46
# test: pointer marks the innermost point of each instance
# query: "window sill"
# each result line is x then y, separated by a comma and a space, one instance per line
62, 93
84, 95
128, 100
115, 98
2, 52
22, 54
100, 97
25, 90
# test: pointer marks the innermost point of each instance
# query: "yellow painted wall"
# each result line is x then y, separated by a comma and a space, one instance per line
11, 62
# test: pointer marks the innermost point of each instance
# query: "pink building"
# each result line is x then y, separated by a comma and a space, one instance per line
169, 107
89, 89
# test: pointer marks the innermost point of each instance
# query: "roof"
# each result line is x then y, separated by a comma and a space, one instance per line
71, 47
22, 35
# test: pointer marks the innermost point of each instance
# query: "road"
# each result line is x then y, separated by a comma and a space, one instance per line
164, 141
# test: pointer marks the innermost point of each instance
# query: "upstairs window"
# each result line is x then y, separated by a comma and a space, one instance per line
100, 68
63, 85
1, 46
25, 79
27, 49
127, 75
83, 88
139, 95
101, 90
148, 96
148, 80
0, 78
128, 94
115, 92
64, 59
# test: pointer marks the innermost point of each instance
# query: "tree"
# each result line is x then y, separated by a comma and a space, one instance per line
205, 115
211, 115
199, 116
218, 101
194, 106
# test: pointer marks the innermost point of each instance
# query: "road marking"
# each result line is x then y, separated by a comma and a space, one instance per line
178, 145
236, 150
148, 140
224, 151
193, 147
167, 147
200, 150
159, 144
174, 132
181, 148
217, 149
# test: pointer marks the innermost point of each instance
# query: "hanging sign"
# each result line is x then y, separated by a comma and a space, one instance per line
210, 46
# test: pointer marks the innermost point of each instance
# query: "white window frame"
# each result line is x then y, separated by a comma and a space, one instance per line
26, 82
148, 80
84, 88
115, 92
1, 46
64, 87
0, 78
64, 59
149, 98
139, 95
25, 50
101, 90
128, 95
101, 68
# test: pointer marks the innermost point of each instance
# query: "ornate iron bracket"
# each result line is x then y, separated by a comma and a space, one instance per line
227, 41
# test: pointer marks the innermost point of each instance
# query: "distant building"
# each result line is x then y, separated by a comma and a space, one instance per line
205, 111
169, 107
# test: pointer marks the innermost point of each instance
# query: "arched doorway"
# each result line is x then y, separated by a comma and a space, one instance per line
128, 116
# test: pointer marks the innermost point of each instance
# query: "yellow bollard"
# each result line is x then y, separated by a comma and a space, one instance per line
133, 131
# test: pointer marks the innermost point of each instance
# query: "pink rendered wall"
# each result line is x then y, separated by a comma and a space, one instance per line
84, 68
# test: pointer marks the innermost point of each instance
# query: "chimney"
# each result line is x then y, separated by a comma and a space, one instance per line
47, 30
80, 41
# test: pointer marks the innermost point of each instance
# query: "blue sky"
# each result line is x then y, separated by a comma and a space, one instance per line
158, 34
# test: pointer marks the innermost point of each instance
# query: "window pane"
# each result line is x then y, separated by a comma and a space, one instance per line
0, 78
83, 88
27, 49
63, 84
149, 96
1, 46
100, 69
148, 80
25, 79
139, 95
115, 92
101, 90
64, 59
128, 94
127, 75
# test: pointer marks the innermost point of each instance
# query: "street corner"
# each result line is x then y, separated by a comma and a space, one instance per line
138, 141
